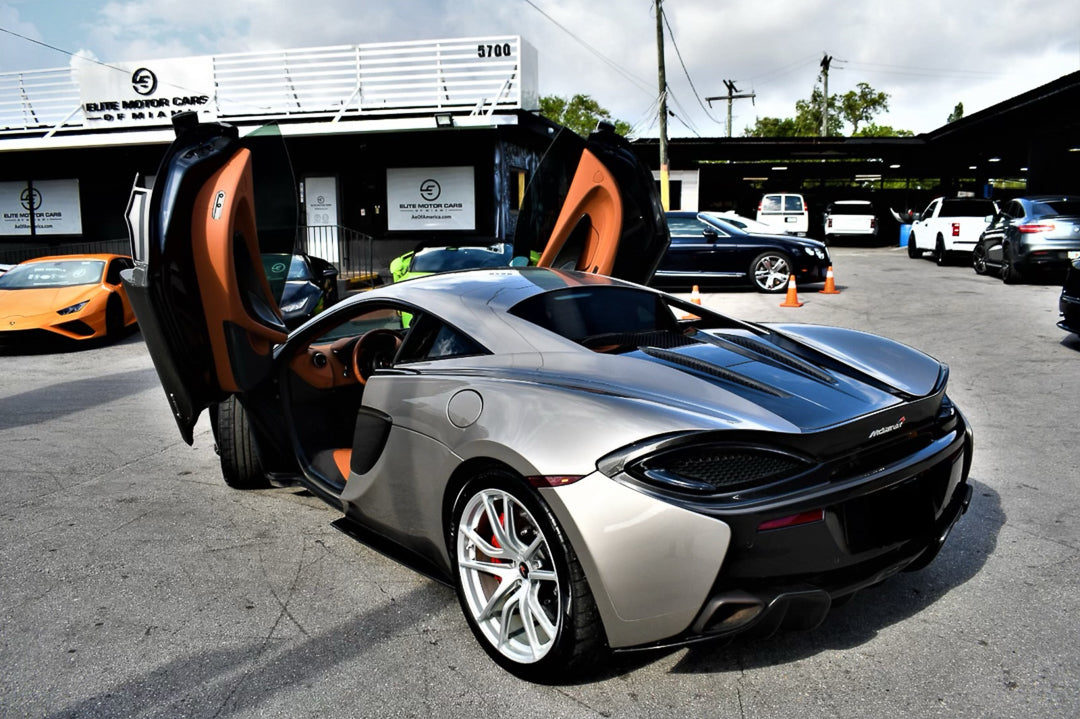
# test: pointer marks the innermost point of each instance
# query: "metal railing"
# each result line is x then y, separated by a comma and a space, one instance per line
21, 254
475, 76
361, 260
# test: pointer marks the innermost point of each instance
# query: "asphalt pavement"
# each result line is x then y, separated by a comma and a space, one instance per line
134, 583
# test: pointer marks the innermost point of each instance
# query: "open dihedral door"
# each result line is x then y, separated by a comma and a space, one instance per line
592, 206
198, 288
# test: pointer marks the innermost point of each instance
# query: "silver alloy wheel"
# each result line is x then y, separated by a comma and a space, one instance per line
508, 576
771, 272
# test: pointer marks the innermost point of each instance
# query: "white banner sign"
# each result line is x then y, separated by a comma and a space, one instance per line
55, 204
430, 198
140, 94
321, 206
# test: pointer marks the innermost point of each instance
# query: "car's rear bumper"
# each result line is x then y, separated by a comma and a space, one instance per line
666, 571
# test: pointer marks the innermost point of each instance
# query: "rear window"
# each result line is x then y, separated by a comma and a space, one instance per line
858, 209
966, 208
1055, 207
793, 203
580, 313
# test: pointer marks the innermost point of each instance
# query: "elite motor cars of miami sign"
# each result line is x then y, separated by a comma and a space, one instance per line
431, 198
143, 94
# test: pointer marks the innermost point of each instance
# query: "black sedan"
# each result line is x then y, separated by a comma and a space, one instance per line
706, 248
1069, 304
1031, 233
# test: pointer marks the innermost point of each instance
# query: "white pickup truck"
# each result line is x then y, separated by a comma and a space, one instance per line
949, 225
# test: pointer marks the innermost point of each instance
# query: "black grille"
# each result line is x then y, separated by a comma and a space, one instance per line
721, 469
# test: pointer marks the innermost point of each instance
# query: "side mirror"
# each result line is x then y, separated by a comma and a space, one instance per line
710, 233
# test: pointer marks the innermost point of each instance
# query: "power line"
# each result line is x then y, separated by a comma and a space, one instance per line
686, 72
62, 51
641, 84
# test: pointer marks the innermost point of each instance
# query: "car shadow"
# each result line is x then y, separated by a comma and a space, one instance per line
65, 398
46, 345
1072, 341
859, 620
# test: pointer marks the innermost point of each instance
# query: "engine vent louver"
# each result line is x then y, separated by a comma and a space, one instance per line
713, 370
769, 351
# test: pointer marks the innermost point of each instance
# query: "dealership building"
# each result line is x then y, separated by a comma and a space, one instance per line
393, 144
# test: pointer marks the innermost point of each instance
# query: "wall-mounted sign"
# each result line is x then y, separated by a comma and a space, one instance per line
430, 198
145, 93
54, 204
321, 210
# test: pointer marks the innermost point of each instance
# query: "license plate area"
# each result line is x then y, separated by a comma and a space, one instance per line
889, 516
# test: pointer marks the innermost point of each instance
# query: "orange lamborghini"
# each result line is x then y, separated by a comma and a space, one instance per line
74, 296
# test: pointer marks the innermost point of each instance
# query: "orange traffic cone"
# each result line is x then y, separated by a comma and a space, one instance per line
695, 297
792, 299
830, 284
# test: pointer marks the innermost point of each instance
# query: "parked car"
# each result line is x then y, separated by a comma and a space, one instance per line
306, 285
786, 211
1069, 304
850, 218
707, 249
703, 477
949, 225
74, 297
1041, 232
428, 260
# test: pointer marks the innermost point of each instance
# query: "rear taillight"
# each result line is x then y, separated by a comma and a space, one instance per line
1028, 229
829, 224
793, 520
805, 207
759, 207
956, 229
873, 223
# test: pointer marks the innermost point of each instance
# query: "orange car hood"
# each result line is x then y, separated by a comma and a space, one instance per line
30, 302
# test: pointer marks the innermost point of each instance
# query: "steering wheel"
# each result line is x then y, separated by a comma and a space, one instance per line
374, 350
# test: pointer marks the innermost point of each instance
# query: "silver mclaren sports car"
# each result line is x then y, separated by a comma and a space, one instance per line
594, 465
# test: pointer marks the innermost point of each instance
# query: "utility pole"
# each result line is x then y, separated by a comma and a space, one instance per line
665, 180
825, 62
731, 96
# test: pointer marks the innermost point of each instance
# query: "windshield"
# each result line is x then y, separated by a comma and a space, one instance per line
56, 273
445, 259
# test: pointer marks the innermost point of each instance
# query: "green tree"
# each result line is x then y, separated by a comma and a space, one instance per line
856, 107
875, 130
957, 113
580, 113
860, 106
772, 127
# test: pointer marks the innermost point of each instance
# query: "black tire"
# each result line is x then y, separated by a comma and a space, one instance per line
941, 256
114, 317
1010, 275
236, 446
770, 271
978, 260
562, 637
912, 251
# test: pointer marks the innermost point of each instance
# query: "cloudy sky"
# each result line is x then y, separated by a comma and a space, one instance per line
928, 55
